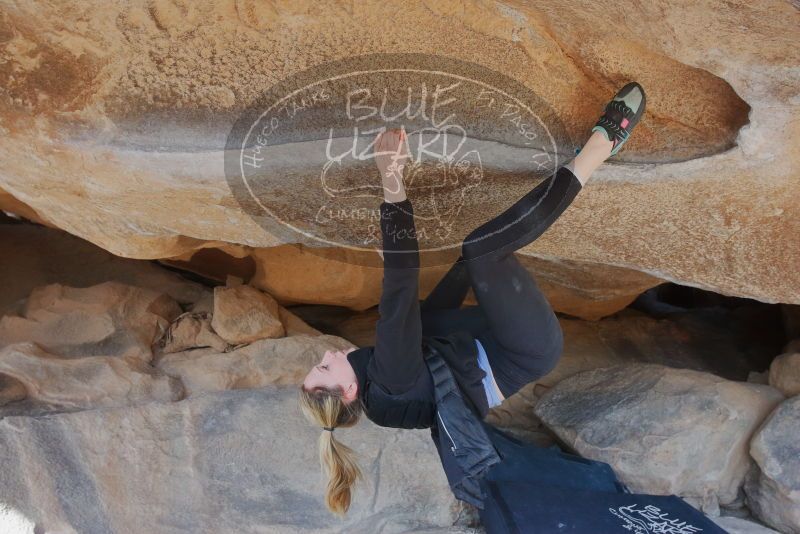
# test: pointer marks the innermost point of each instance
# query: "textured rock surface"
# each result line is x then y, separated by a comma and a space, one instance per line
11, 389
773, 485
85, 382
292, 324
784, 374
268, 361
693, 340
43, 256
243, 314
130, 99
94, 441
237, 461
190, 330
114, 344
735, 525
664, 431
109, 319
295, 275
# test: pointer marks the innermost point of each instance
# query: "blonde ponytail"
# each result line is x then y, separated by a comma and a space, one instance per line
325, 408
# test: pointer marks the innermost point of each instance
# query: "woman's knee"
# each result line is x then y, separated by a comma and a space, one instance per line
553, 353
515, 373
544, 338
545, 352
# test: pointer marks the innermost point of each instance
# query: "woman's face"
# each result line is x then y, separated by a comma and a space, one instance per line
334, 370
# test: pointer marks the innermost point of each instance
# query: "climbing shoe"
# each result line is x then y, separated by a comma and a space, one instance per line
621, 115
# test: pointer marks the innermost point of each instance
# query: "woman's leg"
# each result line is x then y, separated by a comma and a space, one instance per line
523, 340
525, 220
513, 320
520, 224
542, 205
451, 290
502, 286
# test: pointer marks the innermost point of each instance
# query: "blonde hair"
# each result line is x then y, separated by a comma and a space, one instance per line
325, 408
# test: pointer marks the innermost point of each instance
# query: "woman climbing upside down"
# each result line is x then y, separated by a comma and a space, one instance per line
511, 338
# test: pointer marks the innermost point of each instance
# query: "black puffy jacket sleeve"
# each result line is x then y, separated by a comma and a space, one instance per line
398, 360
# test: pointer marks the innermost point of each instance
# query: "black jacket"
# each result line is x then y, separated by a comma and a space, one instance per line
394, 384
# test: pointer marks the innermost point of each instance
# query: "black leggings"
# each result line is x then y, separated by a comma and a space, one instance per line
513, 320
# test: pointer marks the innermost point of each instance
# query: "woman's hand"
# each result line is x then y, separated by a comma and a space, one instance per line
391, 155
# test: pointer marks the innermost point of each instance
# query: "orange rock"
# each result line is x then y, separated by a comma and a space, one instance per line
114, 130
243, 314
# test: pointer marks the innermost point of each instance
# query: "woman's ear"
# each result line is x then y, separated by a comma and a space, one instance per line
351, 391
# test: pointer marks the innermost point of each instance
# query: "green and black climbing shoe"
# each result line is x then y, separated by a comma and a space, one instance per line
621, 115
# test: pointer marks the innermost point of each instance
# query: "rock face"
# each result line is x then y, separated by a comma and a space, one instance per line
132, 104
282, 361
106, 319
113, 344
735, 525
190, 330
235, 461
87, 382
664, 431
43, 256
11, 389
773, 485
702, 341
784, 374
243, 314
295, 274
